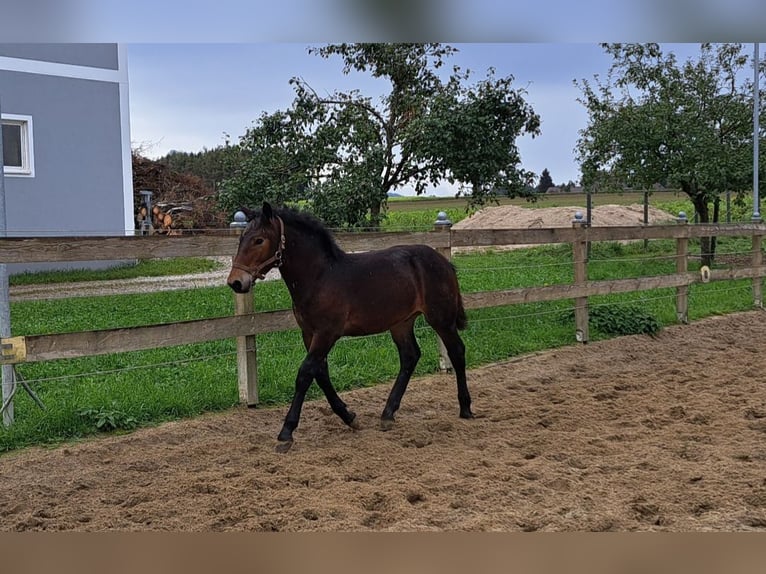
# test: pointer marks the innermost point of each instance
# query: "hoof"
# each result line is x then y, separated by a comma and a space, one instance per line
283, 446
467, 415
353, 422
386, 424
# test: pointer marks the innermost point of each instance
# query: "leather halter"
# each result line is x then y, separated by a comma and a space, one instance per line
256, 272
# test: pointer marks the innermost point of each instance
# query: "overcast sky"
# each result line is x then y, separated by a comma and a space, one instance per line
201, 69
186, 97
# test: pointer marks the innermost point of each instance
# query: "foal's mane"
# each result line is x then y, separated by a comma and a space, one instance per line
310, 225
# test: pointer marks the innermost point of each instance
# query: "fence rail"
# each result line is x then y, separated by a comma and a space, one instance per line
246, 323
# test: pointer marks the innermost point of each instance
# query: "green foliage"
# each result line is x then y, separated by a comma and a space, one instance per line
272, 162
210, 165
545, 182
686, 126
620, 320
108, 419
419, 220
469, 137
344, 153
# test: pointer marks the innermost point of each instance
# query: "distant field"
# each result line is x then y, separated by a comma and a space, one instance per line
547, 200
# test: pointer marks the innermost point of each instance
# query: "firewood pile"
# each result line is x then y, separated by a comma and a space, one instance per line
180, 202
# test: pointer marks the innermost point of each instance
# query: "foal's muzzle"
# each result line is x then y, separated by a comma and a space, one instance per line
239, 281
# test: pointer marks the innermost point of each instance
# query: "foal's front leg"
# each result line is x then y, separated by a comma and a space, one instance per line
314, 366
323, 380
306, 374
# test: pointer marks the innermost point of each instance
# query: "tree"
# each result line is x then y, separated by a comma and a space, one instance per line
469, 138
270, 162
545, 181
687, 126
208, 164
345, 153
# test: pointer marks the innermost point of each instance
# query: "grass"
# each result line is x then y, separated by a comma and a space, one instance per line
118, 392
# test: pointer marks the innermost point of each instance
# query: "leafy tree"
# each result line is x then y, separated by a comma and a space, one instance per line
545, 181
208, 164
345, 153
687, 126
469, 138
271, 162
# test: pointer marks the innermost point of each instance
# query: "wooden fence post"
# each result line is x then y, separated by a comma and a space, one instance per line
247, 363
682, 266
757, 262
443, 225
580, 257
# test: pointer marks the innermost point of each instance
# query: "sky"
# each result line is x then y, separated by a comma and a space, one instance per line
200, 69
190, 96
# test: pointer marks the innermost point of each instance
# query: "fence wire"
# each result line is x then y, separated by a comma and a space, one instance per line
266, 346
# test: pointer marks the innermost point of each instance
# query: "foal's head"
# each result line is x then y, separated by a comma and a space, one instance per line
260, 248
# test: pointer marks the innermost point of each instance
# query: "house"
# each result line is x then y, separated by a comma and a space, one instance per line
66, 142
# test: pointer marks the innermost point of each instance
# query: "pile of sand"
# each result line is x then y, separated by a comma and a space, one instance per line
515, 217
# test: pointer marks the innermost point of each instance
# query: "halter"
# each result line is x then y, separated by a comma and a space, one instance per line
255, 272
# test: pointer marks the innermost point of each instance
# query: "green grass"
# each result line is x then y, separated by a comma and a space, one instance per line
121, 391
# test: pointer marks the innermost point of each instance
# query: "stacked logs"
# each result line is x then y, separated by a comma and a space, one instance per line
165, 218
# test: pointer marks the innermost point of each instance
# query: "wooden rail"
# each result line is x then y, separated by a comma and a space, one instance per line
246, 324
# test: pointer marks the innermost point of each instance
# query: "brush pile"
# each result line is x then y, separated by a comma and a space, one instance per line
180, 202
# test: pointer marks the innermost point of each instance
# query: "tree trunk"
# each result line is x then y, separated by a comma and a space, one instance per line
706, 243
716, 219
375, 214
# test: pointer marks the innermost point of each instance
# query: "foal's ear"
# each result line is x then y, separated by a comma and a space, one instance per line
249, 213
266, 212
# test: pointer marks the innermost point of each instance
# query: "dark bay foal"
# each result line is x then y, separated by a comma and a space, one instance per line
335, 294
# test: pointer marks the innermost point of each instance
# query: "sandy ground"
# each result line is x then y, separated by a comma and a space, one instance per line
629, 434
516, 217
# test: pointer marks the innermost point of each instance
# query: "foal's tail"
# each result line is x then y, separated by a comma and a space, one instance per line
462, 320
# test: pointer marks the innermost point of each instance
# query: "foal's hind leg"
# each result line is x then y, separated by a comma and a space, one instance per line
456, 351
409, 355
336, 403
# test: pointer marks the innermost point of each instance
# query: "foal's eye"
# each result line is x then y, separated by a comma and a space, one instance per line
259, 241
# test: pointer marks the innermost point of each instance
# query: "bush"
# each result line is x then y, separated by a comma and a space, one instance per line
620, 320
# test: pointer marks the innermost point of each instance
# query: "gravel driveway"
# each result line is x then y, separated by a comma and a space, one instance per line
213, 278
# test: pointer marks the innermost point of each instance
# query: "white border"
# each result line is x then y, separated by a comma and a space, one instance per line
64, 70
28, 150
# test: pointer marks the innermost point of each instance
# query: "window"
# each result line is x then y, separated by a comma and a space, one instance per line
18, 157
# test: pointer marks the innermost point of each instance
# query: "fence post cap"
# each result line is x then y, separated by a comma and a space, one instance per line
240, 220
682, 217
442, 219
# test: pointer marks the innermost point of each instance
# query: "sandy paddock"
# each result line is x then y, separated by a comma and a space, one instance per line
632, 433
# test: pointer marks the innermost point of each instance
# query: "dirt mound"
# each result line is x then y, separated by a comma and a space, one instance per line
515, 217
634, 433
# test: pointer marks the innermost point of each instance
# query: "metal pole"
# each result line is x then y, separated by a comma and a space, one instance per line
756, 131
5, 307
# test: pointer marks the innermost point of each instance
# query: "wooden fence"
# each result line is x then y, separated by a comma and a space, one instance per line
245, 324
